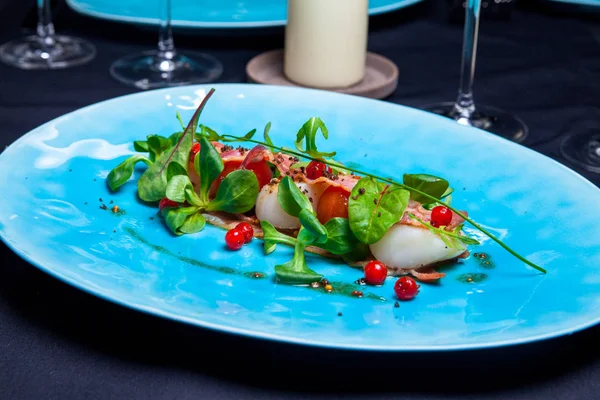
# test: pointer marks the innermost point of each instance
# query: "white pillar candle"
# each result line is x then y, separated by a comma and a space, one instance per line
326, 42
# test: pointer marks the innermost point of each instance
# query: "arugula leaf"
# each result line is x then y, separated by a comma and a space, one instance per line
291, 199
122, 172
213, 136
340, 239
210, 134
175, 218
374, 207
448, 237
429, 184
180, 189
296, 271
208, 165
246, 137
268, 141
152, 184
309, 132
237, 193
272, 236
311, 223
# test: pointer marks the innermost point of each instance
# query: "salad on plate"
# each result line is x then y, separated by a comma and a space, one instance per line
303, 198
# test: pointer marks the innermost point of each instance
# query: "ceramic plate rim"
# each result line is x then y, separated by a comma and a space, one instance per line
225, 25
223, 328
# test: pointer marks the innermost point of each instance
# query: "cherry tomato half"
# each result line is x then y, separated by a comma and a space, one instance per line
230, 166
316, 169
333, 203
262, 171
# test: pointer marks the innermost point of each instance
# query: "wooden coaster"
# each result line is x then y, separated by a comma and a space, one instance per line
380, 81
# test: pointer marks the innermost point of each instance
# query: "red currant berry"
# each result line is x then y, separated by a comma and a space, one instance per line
316, 169
375, 273
164, 202
441, 216
406, 288
247, 230
234, 239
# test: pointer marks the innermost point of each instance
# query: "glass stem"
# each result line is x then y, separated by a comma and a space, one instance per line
166, 45
465, 105
45, 28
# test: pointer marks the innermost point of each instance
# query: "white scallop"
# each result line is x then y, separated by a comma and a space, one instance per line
268, 208
406, 246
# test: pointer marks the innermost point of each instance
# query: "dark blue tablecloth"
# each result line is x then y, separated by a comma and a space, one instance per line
57, 342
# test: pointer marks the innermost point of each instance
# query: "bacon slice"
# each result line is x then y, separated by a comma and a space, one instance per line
427, 275
283, 162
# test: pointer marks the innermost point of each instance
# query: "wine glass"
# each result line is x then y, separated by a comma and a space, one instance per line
463, 110
165, 66
582, 148
45, 49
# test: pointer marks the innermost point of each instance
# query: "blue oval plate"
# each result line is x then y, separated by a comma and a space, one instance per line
208, 13
53, 185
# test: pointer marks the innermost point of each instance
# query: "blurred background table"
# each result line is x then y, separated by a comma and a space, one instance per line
57, 342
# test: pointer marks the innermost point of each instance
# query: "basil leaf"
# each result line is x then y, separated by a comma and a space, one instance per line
175, 169
272, 236
175, 218
122, 172
180, 189
208, 165
308, 132
152, 185
446, 199
340, 239
141, 146
311, 223
291, 199
237, 193
296, 271
374, 207
430, 184
193, 224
